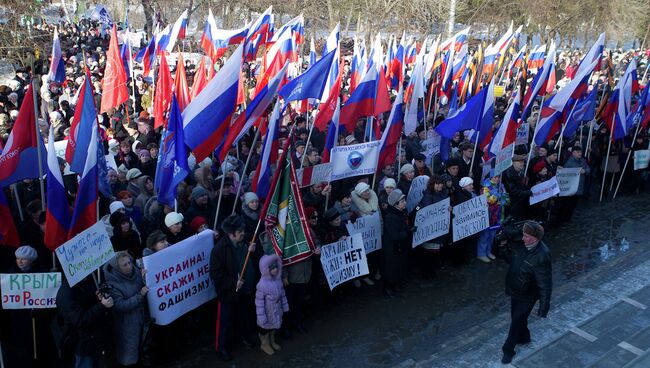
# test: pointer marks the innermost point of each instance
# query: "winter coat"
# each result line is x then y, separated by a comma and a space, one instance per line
250, 218
225, 269
128, 311
129, 242
396, 243
581, 163
84, 316
206, 212
530, 275
270, 299
404, 185
517, 188
497, 199
142, 198
366, 207
348, 213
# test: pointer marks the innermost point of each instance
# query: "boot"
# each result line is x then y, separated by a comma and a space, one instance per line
265, 344
274, 344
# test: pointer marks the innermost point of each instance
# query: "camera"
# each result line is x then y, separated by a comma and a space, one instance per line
105, 289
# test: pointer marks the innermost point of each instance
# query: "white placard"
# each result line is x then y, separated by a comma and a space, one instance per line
354, 160
85, 253
178, 278
431, 222
418, 185
641, 159
568, 179
544, 190
504, 159
431, 144
470, 217
314, 174
369, 227
344, 260
522, 134
29, 290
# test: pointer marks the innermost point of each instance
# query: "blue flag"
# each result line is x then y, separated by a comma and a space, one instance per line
466, 117
173, 167
309, 84
585, 110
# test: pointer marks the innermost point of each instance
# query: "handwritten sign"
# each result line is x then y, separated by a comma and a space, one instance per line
178, 278
29, 290
418, 185
344, 260
369, 227
470, 217
85, 253
568, 179
522, 134
544, 190
431, 222
641, 159
504, 159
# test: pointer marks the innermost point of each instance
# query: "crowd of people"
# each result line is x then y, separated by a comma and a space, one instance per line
266, 301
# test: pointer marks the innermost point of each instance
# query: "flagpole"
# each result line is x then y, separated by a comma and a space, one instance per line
304, 153
216, 215
248, 160
399, 156
561, 140
38, 144
591, 129
20, 207
248, 254
629, 153
471, 164
532, 144
609, 147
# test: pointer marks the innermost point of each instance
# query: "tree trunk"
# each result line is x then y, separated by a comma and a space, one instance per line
147, 6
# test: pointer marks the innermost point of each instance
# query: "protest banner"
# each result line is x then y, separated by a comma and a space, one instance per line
85, 253
522, 134
314, 174
344, 260
544, 190
354, 160
178, 278
641, 159
29, 290
369, 227
418, 185
568, 180
431, 222
504, 159
470, 217
431, 144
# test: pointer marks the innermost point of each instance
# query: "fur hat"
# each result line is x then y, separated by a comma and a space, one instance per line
465, 182
534, 229
361, 187
155, 237
173, 218
231, 224
395, 196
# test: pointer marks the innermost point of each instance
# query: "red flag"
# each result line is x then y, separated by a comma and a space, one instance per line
8, 232
180, 84
114, 90
382, 101
163, 93
241, 92
200, 79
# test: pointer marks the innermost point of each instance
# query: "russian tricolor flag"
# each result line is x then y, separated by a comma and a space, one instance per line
397, 64
259, 33
332, 132
392, 132
85, 116
215, 41
594, 54
620, 102
261, 182
536, 58
177, 32
19, 158
207, 118
85, 206
506, 134
57, 219
538, 86
57, 65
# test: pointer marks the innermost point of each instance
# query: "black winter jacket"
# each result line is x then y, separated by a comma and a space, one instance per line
224, 269
530, 275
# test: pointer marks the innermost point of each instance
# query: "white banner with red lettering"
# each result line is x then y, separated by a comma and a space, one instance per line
544, 190
29, 290
178, 278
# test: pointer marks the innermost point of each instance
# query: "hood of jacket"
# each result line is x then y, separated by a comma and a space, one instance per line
266, 262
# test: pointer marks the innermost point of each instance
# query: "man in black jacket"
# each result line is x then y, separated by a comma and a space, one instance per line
529, 279
516, 184
236, 309
85, 312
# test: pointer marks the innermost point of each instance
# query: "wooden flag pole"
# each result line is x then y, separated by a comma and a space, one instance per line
38, 144
248, 160
216, 215
609, 147
629, 153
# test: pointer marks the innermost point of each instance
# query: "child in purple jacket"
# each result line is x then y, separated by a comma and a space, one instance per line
270, 302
